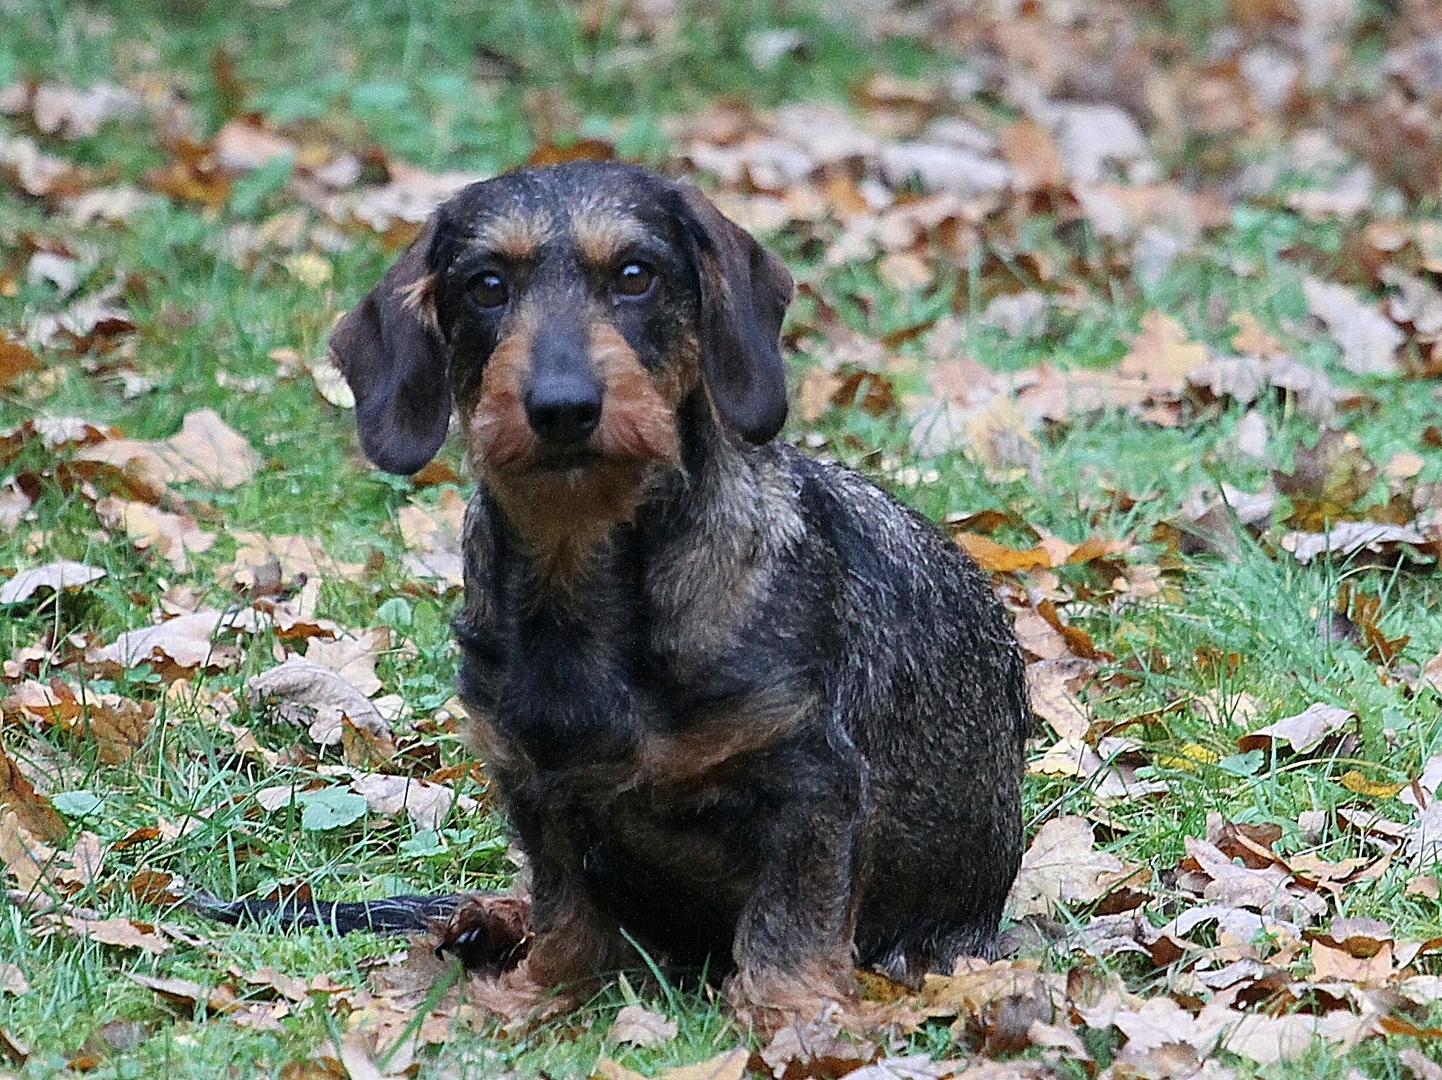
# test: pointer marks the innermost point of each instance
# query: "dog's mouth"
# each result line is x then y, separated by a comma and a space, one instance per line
563, 459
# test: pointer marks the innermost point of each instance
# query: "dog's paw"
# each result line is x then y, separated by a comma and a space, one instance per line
769, 1000
487, 931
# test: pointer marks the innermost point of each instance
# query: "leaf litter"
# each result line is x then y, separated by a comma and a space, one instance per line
917, 180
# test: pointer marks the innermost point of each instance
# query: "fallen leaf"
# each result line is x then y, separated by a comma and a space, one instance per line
1251, 435
15, 360
1061, 866
998, 558
1421, 1066
117, 725
177, 537
1424, 835
426, 804
186, 994
1049, 683
328, 698
641, 1027
1347, 538
814, 1049
1263, 890
433, 536
12, 980
208, 451
25, 857
1368, 339
1303, 732
180, 645
123, 933
1162, 356
58, 575
352, 657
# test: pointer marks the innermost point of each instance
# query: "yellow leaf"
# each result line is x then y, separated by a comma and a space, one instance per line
1355, 781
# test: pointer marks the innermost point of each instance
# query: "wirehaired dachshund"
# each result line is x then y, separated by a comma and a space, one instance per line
741, 706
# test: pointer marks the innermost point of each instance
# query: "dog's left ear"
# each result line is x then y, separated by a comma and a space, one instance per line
392, 355
744, 293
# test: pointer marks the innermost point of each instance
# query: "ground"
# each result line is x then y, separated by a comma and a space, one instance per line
1140, 300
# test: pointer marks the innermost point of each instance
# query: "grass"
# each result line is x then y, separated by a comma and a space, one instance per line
423, 80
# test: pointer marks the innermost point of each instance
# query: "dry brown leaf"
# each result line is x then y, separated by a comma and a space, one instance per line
1303, 732
1368, 339
1050, 683
1424, 885
185, 994
353, 657
71, 113
209, 452
204, 451
1419, 1064
123, 933
814, 1049
1269, 1039
327, 698
606, 1069
641, 1027
433, 536
242, 145
15, 360
1033, 155
31, 809
998, 558
1162, 356
1330, 964
25, 858
1038, 638
1263, 890
1424, 835
728, 1065
117, 725
180, 645
1346, 538
58, 575
175, 536
1252, 339
425, 803
1061, 866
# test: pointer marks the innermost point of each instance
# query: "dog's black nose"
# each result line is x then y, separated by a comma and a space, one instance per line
564, 408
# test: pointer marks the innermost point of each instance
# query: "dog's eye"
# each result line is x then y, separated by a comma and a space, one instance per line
635, 279
490, 290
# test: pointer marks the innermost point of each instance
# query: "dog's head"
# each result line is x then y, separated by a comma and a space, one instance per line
567, 311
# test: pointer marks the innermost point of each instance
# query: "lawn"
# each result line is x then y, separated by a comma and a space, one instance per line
1141, 300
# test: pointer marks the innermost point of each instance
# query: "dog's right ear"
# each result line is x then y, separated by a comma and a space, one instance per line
390, 351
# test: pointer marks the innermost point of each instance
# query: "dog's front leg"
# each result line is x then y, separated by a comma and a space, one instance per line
572, 942
793, 947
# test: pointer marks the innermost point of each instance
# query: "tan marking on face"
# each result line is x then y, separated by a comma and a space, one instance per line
516, 234
498, 435
602, 234
638, 416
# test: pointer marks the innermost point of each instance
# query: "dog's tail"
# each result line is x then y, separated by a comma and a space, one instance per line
394, 915
484, 930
